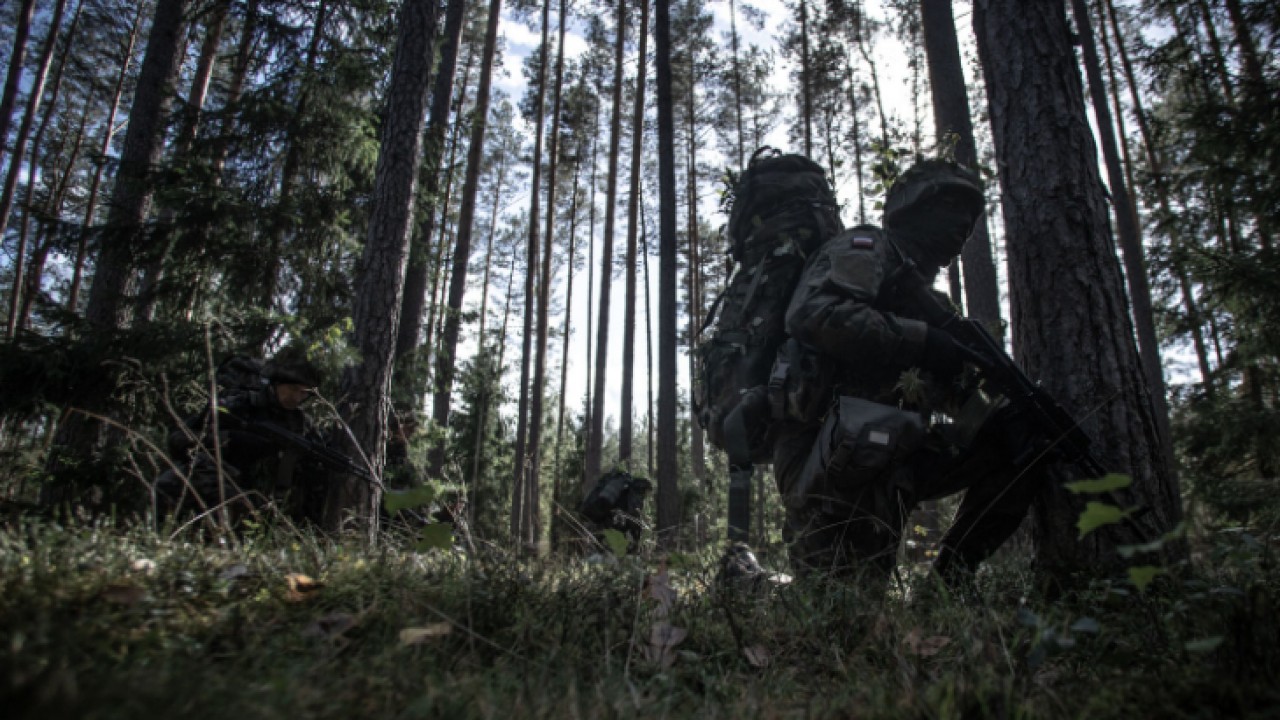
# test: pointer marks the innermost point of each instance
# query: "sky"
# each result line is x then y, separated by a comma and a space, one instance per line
519, 41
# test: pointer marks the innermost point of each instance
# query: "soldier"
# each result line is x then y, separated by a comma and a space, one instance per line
866, 318
617, 503
259, 408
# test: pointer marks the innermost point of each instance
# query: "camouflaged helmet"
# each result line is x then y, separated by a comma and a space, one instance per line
291, 366
934, 206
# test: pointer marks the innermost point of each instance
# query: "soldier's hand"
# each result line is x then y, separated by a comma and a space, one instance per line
943, 356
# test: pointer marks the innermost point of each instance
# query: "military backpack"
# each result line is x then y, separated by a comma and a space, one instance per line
782, 209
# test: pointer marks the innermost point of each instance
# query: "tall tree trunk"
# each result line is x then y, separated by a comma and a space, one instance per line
1066, 289
131, 195
17, 59
806, 79
186, 137
366, 384
668, 494
108, 134
533, 498
1249, 58
415, 286
466, 219
527, 427
53, 210
556, 527
951, 115
856, 139
595, 438
626, 413
1135, 262
737, 84
19, 148
586, 479
693, 285
1156, 164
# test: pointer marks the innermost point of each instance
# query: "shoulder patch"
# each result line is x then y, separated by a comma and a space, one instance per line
863, 242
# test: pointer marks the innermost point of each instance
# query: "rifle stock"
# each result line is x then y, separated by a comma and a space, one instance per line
327, 456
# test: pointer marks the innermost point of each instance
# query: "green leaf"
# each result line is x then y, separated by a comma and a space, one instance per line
396, 500
1208, 644
681, 561
1098, 514
1143, 575
1114, 481
436, 536
616, 541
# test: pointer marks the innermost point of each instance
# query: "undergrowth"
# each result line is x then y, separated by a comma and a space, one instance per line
100, 622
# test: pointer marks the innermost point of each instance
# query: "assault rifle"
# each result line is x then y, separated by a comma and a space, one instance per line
1054, 423
330, 458
1059, 431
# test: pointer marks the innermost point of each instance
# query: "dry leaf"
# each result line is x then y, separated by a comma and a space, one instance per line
301, 587
924, 647
663, 639
122, 594
143, 565
330, 626
757, 656
657, 587
417, 636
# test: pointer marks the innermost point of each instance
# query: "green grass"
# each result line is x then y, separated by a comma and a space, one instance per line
99, 622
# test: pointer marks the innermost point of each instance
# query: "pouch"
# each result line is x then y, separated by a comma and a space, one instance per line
861, 443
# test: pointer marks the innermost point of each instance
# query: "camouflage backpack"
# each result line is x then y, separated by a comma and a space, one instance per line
783, 208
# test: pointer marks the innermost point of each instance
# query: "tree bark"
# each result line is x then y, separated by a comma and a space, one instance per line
668, 492
19, 149
112, 285
108, 134
1130, 235
415, 286
806, 79
466, 219
951, 115
366, 384
17, 59
595, 438
626, 413
1071, 324
186, 137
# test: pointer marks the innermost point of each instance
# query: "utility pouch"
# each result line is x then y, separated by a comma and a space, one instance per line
800, 387
861, 442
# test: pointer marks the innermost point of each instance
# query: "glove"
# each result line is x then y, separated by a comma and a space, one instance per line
943, 356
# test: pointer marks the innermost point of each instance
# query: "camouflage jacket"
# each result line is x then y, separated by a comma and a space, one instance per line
240, 446
860, 310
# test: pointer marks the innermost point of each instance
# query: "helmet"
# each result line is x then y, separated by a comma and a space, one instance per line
933, 207
291, 366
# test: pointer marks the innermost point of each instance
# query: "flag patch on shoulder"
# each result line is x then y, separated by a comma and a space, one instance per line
863, 242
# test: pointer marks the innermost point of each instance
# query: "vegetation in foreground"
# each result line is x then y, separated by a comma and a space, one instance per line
101, 622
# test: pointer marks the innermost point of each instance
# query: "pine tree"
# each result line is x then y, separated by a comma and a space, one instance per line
1053, 200
366, 384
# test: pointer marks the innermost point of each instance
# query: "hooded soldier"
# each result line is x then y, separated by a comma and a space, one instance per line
250, 392
867, 324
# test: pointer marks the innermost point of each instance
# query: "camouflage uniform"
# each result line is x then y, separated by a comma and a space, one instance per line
850, 479
253, 467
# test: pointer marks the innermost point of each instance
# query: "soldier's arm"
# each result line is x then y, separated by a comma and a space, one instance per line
832, 309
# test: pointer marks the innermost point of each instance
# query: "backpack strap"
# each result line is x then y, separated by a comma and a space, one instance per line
741, 472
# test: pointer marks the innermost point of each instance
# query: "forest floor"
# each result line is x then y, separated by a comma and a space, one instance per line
102, 622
